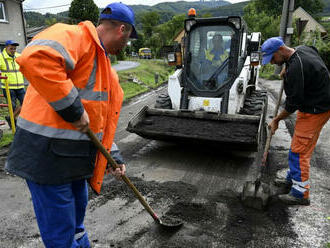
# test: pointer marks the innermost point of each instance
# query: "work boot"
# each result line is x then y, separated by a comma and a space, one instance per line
289, 199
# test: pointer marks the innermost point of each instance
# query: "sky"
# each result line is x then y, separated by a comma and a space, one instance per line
51, 6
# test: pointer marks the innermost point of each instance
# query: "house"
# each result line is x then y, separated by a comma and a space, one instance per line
12, 24
307, 22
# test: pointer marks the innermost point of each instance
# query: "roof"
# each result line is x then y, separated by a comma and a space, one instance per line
312, 24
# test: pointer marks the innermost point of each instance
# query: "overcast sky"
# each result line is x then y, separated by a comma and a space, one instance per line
44, 6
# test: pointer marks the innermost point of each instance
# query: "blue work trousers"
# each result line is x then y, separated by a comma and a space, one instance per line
60, 212
17, 94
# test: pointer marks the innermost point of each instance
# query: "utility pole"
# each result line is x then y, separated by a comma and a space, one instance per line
286, 29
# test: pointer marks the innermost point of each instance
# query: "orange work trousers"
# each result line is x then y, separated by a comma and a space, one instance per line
306, 133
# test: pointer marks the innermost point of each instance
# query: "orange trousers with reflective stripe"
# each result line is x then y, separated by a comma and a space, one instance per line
307, 131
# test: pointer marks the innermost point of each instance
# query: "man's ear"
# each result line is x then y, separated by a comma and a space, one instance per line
122, 29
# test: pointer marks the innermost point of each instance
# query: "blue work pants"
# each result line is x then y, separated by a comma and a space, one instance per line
60, 212
16, 94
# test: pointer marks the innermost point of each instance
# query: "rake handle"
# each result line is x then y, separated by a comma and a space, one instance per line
269, 138
114, 165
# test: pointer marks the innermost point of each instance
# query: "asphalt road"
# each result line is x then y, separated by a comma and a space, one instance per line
125, 65
202, 184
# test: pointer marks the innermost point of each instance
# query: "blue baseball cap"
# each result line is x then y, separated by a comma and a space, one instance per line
269, 47
120, 12
11, 42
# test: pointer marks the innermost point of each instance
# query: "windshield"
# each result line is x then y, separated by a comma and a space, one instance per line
209, 51
145, 51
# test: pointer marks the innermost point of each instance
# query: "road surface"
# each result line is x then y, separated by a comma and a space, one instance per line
201, 184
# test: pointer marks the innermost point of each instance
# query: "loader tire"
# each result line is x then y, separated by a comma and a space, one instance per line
253, 104
163, 101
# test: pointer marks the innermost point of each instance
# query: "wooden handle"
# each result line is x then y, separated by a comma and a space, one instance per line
269, 138
114, 165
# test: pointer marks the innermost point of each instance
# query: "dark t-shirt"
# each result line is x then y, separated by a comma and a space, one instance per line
307, 82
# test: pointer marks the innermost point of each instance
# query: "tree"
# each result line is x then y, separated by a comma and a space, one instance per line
50, 21
268, 25
274, 7
149, 21
81, 10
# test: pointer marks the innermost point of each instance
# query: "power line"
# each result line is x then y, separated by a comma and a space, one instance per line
50, 7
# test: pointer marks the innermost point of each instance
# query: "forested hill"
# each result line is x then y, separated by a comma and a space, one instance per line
167, 11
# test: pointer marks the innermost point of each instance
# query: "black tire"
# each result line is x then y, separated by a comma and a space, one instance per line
254, 103
163, 101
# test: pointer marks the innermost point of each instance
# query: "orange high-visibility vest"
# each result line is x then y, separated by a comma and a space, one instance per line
62, 63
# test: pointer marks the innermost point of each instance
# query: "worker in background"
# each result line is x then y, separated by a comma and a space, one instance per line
216, 54
215, 57
72, 87
10, 69
307, 89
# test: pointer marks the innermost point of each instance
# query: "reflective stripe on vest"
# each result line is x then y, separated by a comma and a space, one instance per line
88, 93
53, 132
58, 47
66, 101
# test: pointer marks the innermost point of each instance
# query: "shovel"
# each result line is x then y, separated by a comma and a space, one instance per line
169, 222
256, 194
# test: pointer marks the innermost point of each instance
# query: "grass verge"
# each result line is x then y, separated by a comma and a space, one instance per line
7, 138
267, 72
142, 78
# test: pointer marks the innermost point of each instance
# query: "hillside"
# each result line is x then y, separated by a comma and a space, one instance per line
166, 10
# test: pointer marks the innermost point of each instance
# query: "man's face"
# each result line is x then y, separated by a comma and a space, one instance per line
121, 40
11, 50
217, 41
277, 58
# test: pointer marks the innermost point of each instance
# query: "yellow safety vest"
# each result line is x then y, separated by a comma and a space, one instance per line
216, 62
10, 69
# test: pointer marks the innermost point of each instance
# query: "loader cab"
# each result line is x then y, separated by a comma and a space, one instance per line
214, 48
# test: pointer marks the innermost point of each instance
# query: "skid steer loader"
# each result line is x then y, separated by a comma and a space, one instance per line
212, 97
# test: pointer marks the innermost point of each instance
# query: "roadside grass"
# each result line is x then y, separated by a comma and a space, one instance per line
7, 138
141, 79
267, 72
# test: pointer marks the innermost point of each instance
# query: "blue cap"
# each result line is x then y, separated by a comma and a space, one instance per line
11, 42
270, 47
120, 12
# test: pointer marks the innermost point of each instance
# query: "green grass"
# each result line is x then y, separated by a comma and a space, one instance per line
267, 72
327, 245
145, 74
7, 138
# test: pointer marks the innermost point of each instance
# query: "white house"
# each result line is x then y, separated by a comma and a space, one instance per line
12, 24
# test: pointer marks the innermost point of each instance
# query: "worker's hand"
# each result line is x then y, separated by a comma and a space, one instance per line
273, 126
83, 123
120, 171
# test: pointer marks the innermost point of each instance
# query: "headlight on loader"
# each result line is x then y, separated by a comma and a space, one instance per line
255, 58
171, 57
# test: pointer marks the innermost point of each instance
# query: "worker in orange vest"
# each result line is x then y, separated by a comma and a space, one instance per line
72, 87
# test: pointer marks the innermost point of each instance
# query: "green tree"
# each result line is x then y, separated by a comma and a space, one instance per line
274, 7
268, 25
50, 21
81, 10
149, 21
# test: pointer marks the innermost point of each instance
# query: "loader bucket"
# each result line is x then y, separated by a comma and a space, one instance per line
238, 131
